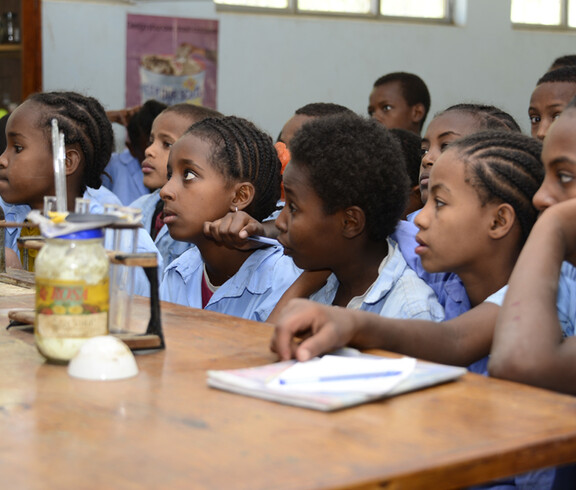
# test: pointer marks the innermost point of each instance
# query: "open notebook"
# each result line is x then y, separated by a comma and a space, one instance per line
335, 385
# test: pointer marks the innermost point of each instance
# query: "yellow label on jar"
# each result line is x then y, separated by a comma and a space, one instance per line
67, 309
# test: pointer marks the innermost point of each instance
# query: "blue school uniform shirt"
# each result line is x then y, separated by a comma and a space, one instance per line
251, 293
397, 292
126, 177
447, 286
169, 248
18, 213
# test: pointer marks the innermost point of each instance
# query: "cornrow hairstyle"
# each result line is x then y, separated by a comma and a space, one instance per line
563, 74
83, 121
488, 116
414, 90
504, 167
244, 153
319, 109
354, 161
566, 60
140, 124
411, 145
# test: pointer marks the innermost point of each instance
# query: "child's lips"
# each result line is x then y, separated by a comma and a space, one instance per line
168, 216
421, 247
147, 168
424, 179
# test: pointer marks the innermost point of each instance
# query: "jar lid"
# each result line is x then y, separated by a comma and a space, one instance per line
83, 234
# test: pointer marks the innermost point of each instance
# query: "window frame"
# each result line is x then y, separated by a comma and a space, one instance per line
293, 10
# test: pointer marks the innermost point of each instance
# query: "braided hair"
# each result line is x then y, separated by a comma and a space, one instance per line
504, 167
242, 152
83, 121
488, 116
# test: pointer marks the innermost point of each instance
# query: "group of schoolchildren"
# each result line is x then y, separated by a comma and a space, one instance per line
437, 247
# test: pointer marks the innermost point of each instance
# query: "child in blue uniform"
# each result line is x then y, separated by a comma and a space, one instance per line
168, 126
26, 166
346, 188
123, 174
218, 166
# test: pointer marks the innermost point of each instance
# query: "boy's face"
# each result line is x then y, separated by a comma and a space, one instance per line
166, 129
26, 166
547, 102
388, 106
306, 232
559, 159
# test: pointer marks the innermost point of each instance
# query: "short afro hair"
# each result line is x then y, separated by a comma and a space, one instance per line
563, 74
411, 145
354, 161
414, 90
321, 109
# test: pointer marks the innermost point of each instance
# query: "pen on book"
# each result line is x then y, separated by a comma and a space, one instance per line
342, 377
264, 240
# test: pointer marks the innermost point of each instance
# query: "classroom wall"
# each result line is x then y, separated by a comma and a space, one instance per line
271, 65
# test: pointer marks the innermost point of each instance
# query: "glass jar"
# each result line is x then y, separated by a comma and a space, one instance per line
72, 293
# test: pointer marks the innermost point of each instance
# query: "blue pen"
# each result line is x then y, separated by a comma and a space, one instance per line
264, 240
342, 377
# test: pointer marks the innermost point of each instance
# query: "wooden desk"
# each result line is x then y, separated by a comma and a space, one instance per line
167, 429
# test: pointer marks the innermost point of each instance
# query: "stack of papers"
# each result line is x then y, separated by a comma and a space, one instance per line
333, 382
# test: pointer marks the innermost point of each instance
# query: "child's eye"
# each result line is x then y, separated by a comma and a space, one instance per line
423, 151
167, 144
556, 116
386, 107
439, 203
535, 119
443, 146
189, 175
18, 148
565, 178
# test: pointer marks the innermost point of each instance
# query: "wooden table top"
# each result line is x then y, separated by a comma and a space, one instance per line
166, 429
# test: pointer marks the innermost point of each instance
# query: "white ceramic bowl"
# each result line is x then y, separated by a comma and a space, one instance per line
103, 358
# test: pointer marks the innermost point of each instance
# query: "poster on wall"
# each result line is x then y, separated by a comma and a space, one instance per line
171, 59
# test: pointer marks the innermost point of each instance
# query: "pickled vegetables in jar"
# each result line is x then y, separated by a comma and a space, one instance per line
72, 293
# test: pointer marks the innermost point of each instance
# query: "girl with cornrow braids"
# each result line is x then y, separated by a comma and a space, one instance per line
27, 170
223, 165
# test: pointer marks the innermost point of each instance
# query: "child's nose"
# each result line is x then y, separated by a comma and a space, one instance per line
428, 159
3, 159
542, 129
166, 193
543, 199
281, 220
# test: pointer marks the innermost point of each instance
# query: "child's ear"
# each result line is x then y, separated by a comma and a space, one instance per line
72, 161
353, 222
243, 196
503, 220
418, 112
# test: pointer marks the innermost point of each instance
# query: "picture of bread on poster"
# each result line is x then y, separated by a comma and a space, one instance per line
174, 78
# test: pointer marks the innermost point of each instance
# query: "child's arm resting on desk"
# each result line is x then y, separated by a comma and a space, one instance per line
528, 343
460, 341
234, 229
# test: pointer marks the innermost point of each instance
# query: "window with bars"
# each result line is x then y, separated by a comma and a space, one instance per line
428, 10
547, 13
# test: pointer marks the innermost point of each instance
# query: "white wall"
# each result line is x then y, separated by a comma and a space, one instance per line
271, 65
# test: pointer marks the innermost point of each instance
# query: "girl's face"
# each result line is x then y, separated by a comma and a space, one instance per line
441, 131
453, 220
559, 159
195, 192
305, 229
26, 167
166, 129
547, 102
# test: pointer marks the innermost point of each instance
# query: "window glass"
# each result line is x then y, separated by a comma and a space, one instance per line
341, 6
542, 12
282, 4
430, 9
